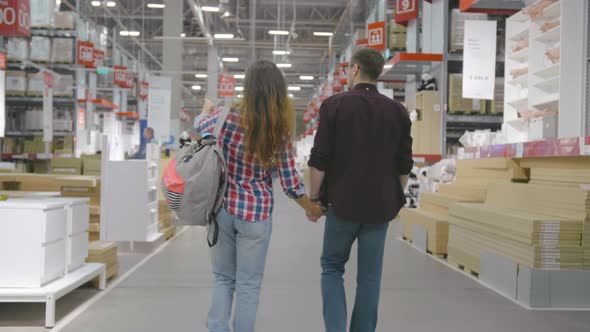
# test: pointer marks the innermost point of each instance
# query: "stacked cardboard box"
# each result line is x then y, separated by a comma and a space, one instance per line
63, 50
458, 104
105, 253
91, 165
16, 83
537, 226
17, 49
40, 49
66, 166
397, 36
496, 106
472, 179
85, 186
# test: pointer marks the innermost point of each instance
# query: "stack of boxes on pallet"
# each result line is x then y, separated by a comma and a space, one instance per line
85, 186
105, 253
470, 185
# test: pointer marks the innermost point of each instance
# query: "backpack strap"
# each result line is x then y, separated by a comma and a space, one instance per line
221, 121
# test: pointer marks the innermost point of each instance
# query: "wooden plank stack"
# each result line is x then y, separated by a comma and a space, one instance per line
166, 220
84, 186
470, 185
563, 172
105, 253
534, 225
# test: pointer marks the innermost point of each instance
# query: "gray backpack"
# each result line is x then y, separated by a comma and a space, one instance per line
194, 183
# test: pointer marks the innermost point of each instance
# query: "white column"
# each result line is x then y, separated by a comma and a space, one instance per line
213, 70
172, 60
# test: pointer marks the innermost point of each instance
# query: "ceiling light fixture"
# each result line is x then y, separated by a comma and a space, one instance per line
306, 78
156, 5
284, 65
124, 33
239, 76
111, 4
223, 36
240, 96
279, 32
291, 95
388, 66
239, 88
211, 9
183, 35
230, 59
96, 3
196, 87
134, 33
201, 75
323, 34
294, 88
277, 52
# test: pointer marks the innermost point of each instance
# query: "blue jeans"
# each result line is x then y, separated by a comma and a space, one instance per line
238, 262
339, 235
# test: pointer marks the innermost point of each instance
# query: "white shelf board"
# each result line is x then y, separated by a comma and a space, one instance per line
552, 11
518, 124
524, 34
520, 80
549, 86
550, 37
519, 17
549, 72
521, 55
522, 102
549, 105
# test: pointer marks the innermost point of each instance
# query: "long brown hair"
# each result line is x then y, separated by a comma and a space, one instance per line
267, 113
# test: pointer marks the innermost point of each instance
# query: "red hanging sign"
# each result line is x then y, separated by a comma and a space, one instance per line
377, 35
85, 53
48, 79
337, 86
15, 18
406, 10
123, 78
227, 86
97, 58
362, 43
2, 61
144, 88
343, 75
81, 118
129, 81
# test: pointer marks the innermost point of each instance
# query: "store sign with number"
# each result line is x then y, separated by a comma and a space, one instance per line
377, 35
227, 86
406, 10
85, 53
97, 58
15, 18
123, 78
144, 88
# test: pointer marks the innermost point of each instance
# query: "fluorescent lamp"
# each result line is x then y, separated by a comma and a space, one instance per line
388, 66
306, 78
196, 87
183, 35
223, 36
156, 5
291, 95
275, 52
294, 88
134, 33
323, 34
239, 88
239, 76
284, 65
210, 9
240, 96
201, 75
124, 33
111, 4
279, 32
96, 3
230, 59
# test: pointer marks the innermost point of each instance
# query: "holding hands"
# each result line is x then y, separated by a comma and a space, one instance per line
315, 212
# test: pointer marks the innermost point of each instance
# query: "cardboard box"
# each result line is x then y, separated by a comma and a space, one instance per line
35, 85
397, 41
63, 50
69, 166
458, 104
42, 13
16, 83
17, 49
64, 87
40, 49
65, 20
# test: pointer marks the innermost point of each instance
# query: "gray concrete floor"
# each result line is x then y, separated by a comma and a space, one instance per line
171, 292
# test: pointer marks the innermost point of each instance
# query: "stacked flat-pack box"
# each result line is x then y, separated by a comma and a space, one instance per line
64, 86
458, 104
17, 49
64, 20
40, 49
85, 186
458, 19
63, 50
397, 36
472, 179
91, 165
497, 105
42, 13
66, 166
33, 120
537, 226
16, 83
105, 253
35, 85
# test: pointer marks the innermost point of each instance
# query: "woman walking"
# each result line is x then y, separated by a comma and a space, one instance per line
255, 137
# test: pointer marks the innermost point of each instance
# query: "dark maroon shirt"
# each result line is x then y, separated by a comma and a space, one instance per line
363, 144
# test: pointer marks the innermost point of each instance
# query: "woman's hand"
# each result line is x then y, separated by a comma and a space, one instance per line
315, 212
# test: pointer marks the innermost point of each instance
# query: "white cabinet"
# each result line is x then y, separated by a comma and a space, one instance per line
32, 242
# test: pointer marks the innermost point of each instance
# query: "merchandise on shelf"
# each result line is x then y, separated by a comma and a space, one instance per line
105, 253
66, 166
496, 106
426, 130
458, 19
64, 86
36, 85
16, 83
63, 50
65, 20
42, 13
458, 104
40, 49
17, 49
481, 138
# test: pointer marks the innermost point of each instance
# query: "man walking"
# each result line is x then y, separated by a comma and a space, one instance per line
359, 165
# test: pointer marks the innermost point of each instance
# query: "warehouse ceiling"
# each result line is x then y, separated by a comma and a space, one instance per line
309, 54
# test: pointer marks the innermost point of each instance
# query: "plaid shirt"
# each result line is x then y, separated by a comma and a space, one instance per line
250, 192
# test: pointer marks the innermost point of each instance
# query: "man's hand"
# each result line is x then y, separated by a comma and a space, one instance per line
316, 212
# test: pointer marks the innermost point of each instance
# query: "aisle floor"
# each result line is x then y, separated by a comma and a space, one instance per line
171, 292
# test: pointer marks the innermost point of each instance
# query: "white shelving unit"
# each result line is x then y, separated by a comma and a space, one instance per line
540, 91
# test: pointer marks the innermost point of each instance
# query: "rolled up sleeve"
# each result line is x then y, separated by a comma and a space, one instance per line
290, 179
405, 162
322, 149
206, 123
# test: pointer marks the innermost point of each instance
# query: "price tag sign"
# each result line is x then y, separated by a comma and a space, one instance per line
377, 35
227, 85
97, 58
406, 10
2, 61
479, 65
123, 78
15, 18
144, 88
85, 53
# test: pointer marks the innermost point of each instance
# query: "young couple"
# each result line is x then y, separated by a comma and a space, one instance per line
360, 160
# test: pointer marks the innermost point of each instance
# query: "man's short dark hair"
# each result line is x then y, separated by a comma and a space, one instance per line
370, 61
